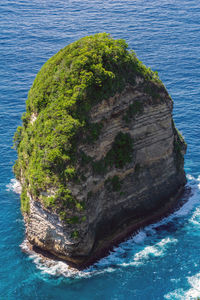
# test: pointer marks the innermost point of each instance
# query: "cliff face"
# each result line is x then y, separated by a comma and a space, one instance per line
141, 188
130, 171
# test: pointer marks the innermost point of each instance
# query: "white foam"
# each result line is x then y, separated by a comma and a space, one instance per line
175, 295
190, 177
59, 268
49, 266
14, 186
118, 257
24, 246
184, 210
139, 237
191, 294
194, 281
159, 249
195, 219
123, 255
150, 230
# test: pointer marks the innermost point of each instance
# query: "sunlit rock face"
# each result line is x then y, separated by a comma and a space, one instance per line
96, 163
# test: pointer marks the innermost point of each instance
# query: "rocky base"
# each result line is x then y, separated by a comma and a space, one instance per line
104, 246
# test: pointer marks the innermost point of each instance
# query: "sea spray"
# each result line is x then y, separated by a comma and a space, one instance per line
14, 186
134, 252
190, 294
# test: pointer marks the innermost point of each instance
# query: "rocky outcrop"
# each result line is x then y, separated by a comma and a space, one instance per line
123, 198
98, 152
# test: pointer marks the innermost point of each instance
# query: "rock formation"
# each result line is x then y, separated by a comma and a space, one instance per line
98, 153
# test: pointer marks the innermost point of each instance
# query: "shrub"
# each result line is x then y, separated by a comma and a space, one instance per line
135, 108
113, 184
118, 156
121, 151
75, 234
66, 88
25, 202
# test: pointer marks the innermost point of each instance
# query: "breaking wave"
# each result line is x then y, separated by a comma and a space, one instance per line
138, 250
192, 293
14, 186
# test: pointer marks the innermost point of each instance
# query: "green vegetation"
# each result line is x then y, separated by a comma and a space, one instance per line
72, 220
135, 108
92, 132
24, 201
179, 145
121, 151
99, 166
180, 138
75, 234
61, 97
119, 155
89, 195
48, 201
84, 159
113, 184
152, 90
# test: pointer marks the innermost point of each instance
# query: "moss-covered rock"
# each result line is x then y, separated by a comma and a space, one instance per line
98, 153
58, 112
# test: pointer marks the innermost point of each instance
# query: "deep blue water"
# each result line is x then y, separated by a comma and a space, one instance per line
163, 260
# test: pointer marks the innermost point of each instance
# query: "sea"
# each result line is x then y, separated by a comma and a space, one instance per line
162, 260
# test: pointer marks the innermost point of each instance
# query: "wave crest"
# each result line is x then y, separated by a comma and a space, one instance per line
14, 186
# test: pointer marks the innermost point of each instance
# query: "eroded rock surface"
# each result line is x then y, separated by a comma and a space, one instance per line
98, 152
147, 185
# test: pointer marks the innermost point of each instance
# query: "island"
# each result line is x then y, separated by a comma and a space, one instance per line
99, 155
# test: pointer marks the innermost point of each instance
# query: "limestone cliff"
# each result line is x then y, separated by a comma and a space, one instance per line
127, 168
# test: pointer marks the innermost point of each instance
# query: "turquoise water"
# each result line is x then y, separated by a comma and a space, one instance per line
162, 261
